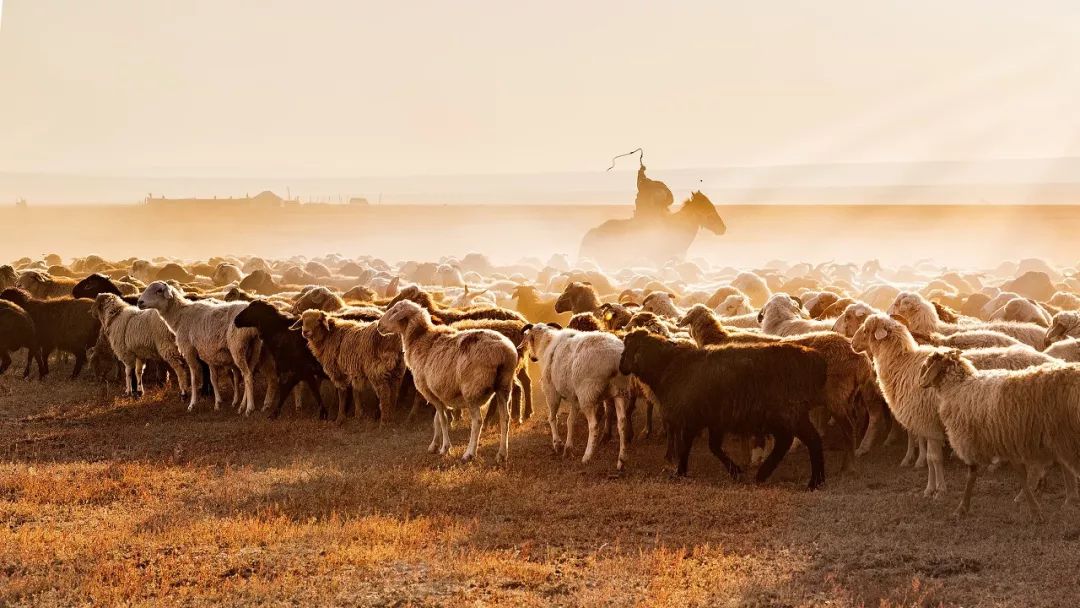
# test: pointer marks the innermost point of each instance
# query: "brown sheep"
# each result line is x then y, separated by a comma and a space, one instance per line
443, 316
42, 286
578, 297
456, 369
535, 309
355, 355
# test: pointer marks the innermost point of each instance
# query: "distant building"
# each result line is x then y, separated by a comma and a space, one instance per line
263, 200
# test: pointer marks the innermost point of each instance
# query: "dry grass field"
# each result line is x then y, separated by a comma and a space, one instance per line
107, 501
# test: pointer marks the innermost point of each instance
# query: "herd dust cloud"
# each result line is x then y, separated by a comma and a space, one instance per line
964, 236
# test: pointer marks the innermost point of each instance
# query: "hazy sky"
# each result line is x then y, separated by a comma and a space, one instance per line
326, 88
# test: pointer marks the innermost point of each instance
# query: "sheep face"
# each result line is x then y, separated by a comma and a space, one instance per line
30, 280
696, 312
534, 341
939, 366
660, 302
106, 307
907, 304
313, 325
876, 328
1066, 324
734, 305
782, 306
852, 319
157, 295
398, 318
614, 316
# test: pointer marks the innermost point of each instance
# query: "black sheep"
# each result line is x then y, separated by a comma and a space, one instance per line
289, 349
742, 388
60, 323
17, 331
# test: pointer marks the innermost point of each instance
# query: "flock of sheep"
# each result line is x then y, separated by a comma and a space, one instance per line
836, 356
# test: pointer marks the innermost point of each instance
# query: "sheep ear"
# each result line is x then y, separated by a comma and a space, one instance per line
609, 315
760, 316
798, 300
324, 320
860, 313
296, 325
527, 327
555, 325
881, 333
901, 319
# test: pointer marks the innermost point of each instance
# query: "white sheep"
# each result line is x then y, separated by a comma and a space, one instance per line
753, 286
1065, 324
897, 359
1065, 350
456, 369
735, 311
661, 303
1022, 310
205, 330
1031, 417
922, 318
137, 336
581, 368
784, 316
1064, 300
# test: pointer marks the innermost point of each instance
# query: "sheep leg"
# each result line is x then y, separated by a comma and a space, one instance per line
921, 460
553, 417
607, 419
129, 384
684, 441
648, 419
273, 375
621, 414
501, 400
80, 360
140, 368
590, 417
896, 434
716, 446
526, 394
808, 434
313, 384
343, 392
476, 423
238, 392
444, 426
912, 449
873, 428
571, 419
1034, 474
195, 370
384, 390
248, 372
286, 384
437, 433
781, 445
215, 383
936, 464
180, 372
969, 488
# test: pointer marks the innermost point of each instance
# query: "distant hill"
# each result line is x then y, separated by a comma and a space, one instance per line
1021, 181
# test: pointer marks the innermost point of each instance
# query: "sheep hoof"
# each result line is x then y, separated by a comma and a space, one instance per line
620, 466
191, 408
905, 463
959, 512
557, 447
340, 420
500, 458
432, 448
861, 452
466, 458
921, 463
